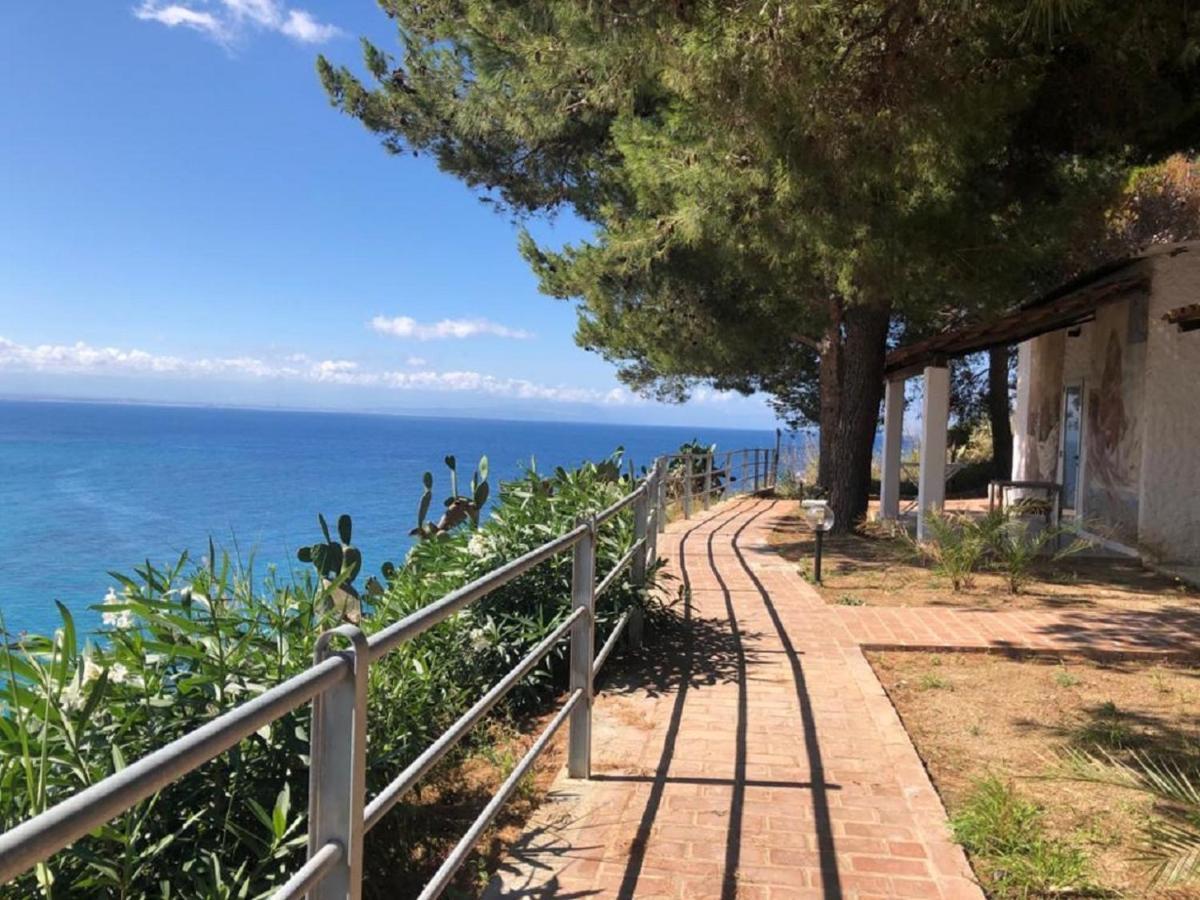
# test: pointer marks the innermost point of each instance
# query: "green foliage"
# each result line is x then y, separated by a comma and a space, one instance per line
931, 682
956, 546
741, 162
338, 564
1006, 837
960, 545
1016, 547
1170, 840
184, 643
789, 485
459, 508
691, 465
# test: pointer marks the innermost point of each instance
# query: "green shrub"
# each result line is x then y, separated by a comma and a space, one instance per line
182, 644
789, 485
1006, 837
1015, 547
956, 546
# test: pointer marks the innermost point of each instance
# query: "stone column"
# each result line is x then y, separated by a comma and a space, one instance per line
931, 491
893, 432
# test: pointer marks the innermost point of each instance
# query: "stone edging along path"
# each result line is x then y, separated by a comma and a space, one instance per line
759, 757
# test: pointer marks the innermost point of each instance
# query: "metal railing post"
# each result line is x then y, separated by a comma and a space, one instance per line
337, 768
641, 510
756, 469
643, 531
708, 458
660, 517
687, 485
742, 477
652, 514
583, 587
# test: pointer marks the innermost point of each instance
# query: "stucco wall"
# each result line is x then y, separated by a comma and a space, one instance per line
1169, 515
1044, 408
1106, 359
1113, 418
1140, 467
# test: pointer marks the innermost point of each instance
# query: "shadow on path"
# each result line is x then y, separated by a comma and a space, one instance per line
830, 879
637, 850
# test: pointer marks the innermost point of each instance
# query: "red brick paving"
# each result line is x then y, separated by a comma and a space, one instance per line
765, 761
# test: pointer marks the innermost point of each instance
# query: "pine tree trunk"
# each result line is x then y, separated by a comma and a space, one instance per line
998, 411
851, 375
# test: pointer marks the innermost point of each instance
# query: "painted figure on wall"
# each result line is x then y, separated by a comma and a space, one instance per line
1107, 419
1113, 438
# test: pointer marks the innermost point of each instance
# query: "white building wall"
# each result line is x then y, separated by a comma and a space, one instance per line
1140, 379
1169, 512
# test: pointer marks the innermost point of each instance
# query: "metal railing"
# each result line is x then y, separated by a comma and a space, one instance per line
697, 478
339, 814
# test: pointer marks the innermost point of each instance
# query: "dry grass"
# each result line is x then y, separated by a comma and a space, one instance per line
873, 570
976, 715
434, 818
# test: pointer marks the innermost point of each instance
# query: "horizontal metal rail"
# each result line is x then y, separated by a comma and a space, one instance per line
311, 873
458, 855
336, 687
32, 841
404, 782
611, 643
621, 566
384, 642
627, 500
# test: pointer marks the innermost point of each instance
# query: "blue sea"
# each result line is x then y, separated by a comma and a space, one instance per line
89, 488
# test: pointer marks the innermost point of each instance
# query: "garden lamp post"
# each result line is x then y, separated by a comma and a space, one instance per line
820, 519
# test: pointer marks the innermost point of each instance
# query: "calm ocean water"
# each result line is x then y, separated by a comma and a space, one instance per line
89, 488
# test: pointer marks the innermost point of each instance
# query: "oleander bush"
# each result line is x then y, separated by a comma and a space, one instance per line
182, 643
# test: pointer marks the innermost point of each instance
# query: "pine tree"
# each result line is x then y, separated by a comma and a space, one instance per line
775, 187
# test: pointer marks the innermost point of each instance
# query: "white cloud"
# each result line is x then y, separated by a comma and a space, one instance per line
82, 358
228, 20
304, 28
174, 15
416, 361
406, 327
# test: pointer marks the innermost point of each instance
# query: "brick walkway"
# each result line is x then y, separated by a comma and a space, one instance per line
1098, 632
763, 759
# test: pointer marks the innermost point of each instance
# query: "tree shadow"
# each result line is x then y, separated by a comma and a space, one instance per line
689, 669
1171, 631
830, 877
538, 851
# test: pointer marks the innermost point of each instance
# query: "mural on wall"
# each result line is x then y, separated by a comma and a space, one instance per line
1113, 438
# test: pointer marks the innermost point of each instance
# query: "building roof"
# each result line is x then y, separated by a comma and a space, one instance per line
1069, 304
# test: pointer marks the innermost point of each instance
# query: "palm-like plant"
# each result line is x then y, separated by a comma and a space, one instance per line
1170, 844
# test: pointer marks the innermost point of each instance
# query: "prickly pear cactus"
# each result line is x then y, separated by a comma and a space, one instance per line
458, 508
338, 563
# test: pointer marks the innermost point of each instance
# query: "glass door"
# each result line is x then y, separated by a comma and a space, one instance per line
1071, 440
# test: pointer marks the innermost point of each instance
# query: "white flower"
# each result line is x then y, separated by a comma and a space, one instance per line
111, 597
479, 640
72, 695
90, 670
118, 674
478, 545
119, 620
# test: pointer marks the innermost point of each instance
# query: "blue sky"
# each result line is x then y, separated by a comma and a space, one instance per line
184, 218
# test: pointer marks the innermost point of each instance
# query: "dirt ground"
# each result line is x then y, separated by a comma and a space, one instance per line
421, 831
974, 715
861, 570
